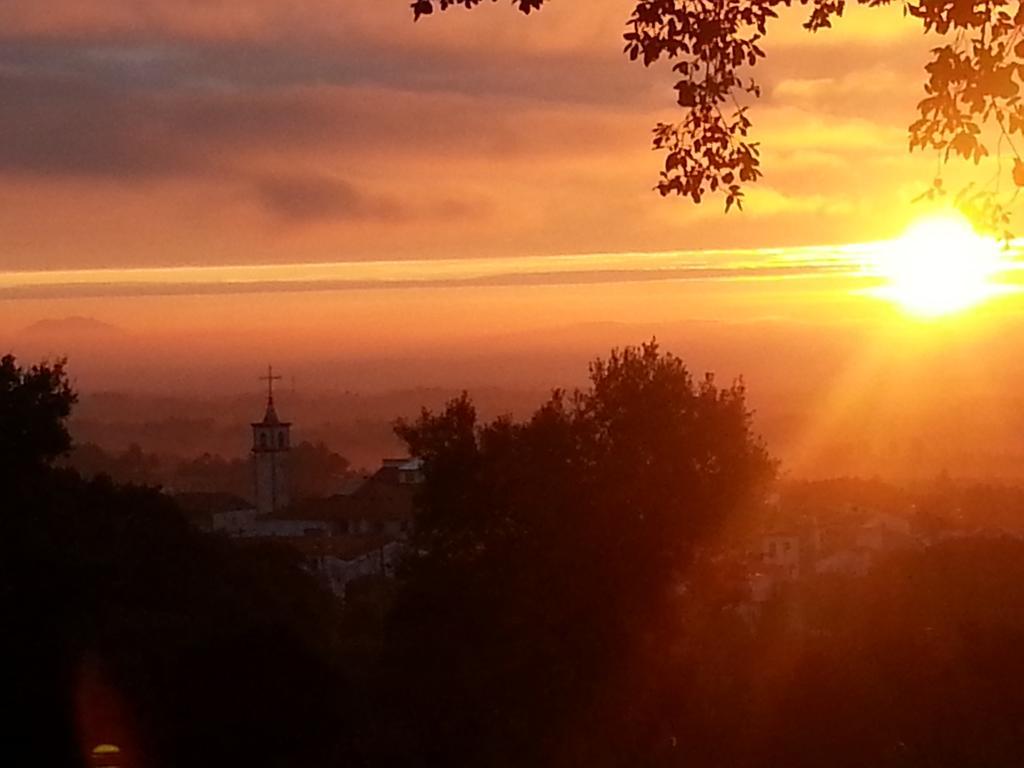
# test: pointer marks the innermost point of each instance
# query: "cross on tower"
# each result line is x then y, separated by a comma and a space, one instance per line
270, 378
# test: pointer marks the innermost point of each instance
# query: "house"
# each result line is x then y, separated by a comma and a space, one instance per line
203, 508
359, 531
338, 560
780, 553
382, 504
884, 533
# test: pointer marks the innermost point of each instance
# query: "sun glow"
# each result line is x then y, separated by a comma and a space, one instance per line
940, 266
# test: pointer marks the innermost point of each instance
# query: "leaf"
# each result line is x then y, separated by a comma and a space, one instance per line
963, 144
422, 8
1018, 172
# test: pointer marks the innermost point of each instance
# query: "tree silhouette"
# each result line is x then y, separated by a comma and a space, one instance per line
548, 555
315, 470
972, 82
915, 664
35, 404
124, 625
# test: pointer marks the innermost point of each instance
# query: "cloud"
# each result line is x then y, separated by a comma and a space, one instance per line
881, 91
138, 120
751, 264
55, 126
302, 198
59, 126
170, 131
597, 76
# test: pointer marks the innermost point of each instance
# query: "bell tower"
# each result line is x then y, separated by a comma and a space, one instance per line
271, 442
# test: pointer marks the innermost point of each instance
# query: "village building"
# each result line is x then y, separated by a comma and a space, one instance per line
780, 554
360, 531
845, 542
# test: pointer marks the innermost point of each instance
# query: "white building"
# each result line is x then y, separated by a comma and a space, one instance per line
360, 531
780, 552
876, 536
340, 560
884, 533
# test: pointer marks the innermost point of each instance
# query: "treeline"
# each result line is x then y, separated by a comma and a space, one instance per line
940, 506
125, 627
314, 470
556, 609
190, 424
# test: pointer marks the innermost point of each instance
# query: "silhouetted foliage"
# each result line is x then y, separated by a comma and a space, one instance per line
315, 470
973, 81
133, 465
211, 473
217, 655
548, 558
34, 407
124, 625
573, 596
916, 664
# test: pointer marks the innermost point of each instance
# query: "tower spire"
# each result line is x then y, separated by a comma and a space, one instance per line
270, 378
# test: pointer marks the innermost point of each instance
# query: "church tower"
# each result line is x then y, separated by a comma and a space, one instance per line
270, 445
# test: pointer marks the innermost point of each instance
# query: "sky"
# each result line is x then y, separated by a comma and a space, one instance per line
191, 189
169, 132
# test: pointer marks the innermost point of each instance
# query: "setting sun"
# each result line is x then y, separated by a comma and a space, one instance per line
940, 265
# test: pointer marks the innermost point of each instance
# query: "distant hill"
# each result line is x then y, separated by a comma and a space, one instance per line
76, 327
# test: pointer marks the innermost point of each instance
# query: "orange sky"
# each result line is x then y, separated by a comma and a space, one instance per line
174, 132
464, 201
